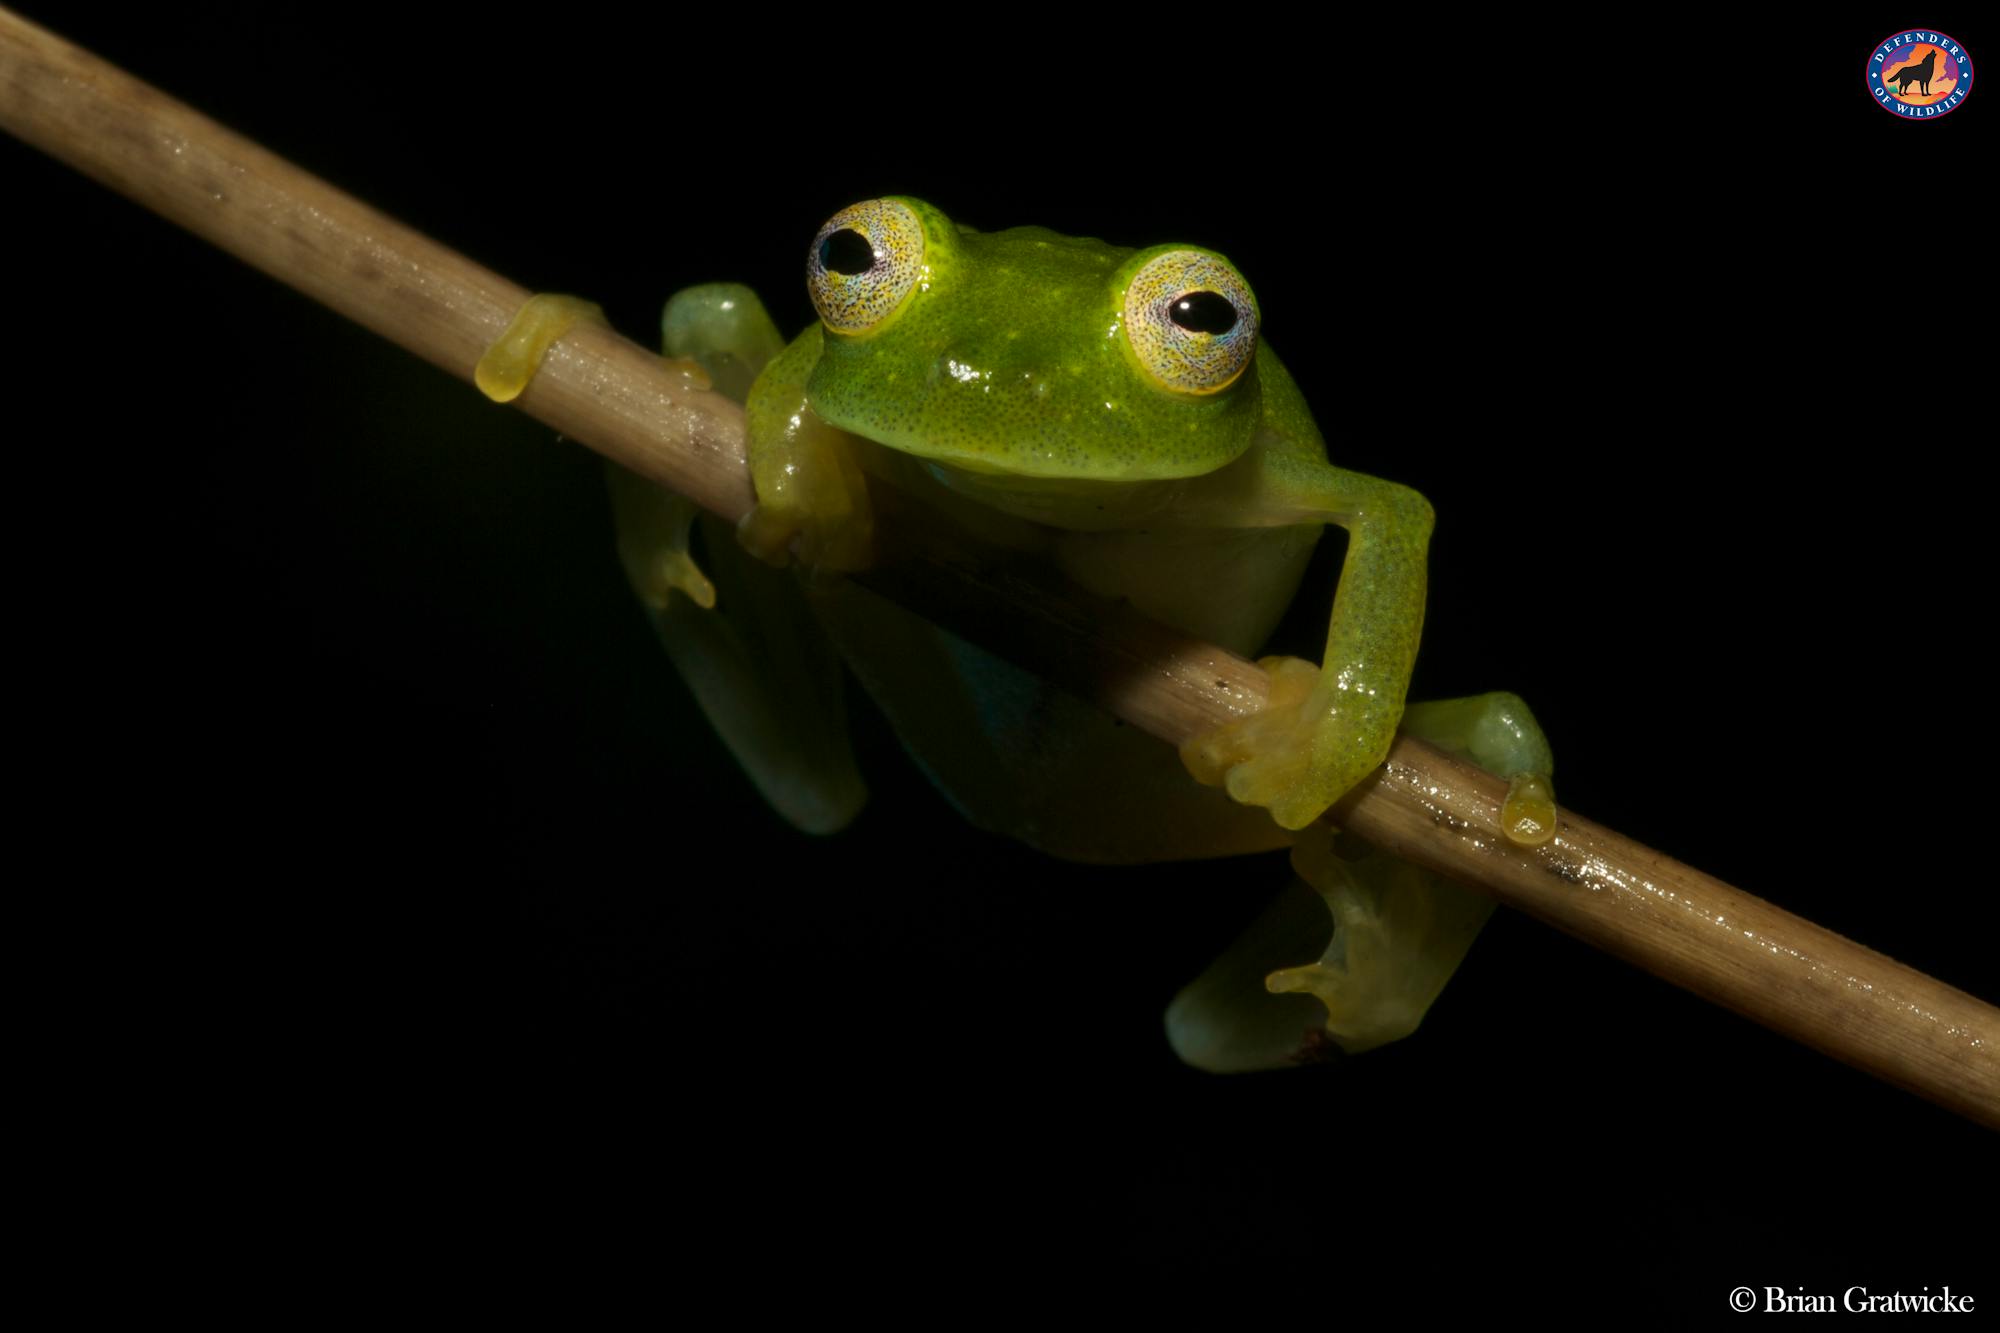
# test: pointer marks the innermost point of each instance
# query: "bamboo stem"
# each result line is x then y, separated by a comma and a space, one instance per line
618, 398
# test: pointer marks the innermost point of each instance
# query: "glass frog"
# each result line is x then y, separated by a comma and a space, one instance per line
1114, 412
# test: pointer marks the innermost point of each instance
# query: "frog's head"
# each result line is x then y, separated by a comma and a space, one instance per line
1029, 353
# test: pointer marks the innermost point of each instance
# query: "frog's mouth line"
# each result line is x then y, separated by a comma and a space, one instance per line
968, 479
1030, 465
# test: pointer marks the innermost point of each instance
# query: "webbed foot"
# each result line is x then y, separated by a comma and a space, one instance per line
1302, 752
1398, 934
1398, 931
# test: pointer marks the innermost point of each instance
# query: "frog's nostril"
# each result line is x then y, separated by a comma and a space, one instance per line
846, 252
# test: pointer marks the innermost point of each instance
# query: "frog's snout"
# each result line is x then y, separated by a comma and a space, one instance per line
994, 373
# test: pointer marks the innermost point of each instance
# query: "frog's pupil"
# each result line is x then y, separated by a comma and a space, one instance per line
846, 251
1204, 312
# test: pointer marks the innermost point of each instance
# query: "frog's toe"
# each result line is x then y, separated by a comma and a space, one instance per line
670, 572
1528, 815
840, 542
506, 368
1356, 1016
654, 530
697, 374
1228, 1021
1278, 780
1266, 758
1498, 732
1214, 755
767, 532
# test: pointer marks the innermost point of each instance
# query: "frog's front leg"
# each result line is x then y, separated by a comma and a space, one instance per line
1326, 728
809, 483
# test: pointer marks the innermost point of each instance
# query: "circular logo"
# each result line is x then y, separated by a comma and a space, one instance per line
1919, 74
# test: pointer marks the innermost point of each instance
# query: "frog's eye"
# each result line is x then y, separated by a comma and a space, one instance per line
864, 261
1191, 321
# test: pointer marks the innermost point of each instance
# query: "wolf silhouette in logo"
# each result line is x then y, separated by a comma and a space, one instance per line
1922, 72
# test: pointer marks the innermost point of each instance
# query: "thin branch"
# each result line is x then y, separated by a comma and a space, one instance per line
621, 400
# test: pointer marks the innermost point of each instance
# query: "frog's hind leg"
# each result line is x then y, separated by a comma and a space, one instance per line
744, 640
720, 335
742, 634
756, 660
723, 328
1399, 932
1497, 732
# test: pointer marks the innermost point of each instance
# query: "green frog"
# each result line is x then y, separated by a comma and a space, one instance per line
1114, 413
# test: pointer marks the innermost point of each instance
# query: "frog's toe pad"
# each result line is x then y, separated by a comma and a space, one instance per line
673, 571
510, 363
1528, 815
697, 374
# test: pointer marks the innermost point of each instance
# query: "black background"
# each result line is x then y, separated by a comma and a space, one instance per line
435, 872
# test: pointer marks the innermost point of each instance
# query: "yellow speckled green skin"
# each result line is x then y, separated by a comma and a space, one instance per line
1011, 358
1007, 368
1000, 382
